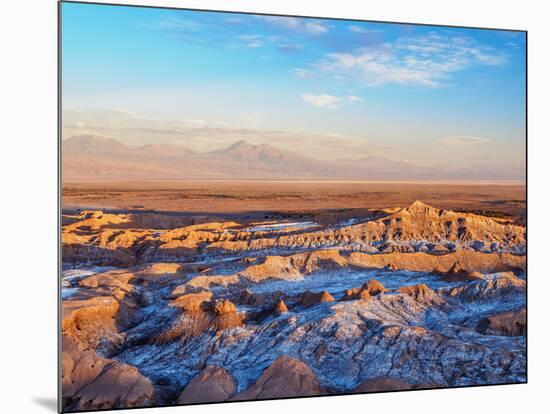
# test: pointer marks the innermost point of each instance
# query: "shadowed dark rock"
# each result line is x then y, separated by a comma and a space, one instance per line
513, 323
382, 384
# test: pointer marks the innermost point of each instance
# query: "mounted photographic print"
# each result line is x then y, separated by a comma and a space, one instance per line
260, 207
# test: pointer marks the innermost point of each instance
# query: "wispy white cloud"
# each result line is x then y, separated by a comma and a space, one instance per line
303, 73
328, 101
315, 28
463, 140
362, 30
312, 27
254, 44
375, 68
195, 122
288, 47
235, 20
322, 101
193, 32
258, 40
251, 41
287, 22
210, 34
180, 24
356, 29
487, 58
425, 60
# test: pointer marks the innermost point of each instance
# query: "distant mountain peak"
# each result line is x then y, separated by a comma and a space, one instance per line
241, 143
93, 143
245, 145
245, 151
100, 144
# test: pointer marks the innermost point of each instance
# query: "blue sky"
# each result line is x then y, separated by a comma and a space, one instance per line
406, 92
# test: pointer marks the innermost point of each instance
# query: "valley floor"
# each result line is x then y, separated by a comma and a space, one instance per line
324, 200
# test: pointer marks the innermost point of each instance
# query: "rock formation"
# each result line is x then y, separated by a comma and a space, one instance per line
313, 298
286, 377
213, 384
280, 307
89, 380
197, 309
421, 293
513, 323
110, 239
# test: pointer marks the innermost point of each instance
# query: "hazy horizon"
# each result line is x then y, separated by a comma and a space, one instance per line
326, 89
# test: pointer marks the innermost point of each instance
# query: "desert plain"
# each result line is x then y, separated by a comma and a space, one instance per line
258, 198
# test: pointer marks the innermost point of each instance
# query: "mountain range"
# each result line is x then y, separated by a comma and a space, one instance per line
100, 158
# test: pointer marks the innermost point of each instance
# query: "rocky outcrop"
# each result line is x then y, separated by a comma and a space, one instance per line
200, 316
80, 254
213, 384
93, 322
500, 285
92, 382
105, 306
280, 308
422, 293
415, 228
286, 377
246, 297
433, 310
374, 287
371, 288
121, 239
193, 302
421, 221
397, 327
513, 323
313, 298
457, 274
470, 261
321, 260
293, 268
356, 293
281, 267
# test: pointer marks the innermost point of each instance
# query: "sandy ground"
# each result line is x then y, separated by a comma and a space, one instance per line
294, 198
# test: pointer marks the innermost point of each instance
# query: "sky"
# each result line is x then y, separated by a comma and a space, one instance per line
329, 88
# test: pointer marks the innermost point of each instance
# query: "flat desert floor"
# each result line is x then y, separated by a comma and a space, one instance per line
257, 199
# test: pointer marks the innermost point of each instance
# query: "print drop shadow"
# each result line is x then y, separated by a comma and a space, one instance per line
47, 402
